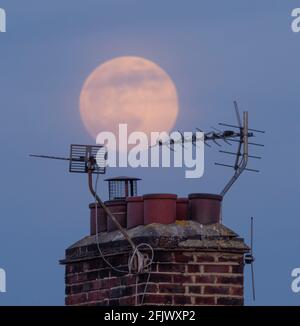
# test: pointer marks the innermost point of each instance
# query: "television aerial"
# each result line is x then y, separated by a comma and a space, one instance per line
91, 159
238, 134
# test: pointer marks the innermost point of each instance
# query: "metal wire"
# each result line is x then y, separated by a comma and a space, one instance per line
97, 233
136, 253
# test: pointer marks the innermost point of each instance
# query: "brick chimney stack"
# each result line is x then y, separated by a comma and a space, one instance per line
197, 260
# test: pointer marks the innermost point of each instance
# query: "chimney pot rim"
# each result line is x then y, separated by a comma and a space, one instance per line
122, 178
115, 202
134, 199
205, 196
182, 200
160, 196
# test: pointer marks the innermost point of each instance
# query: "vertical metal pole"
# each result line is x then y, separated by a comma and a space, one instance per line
245, 138
107, 211
132, 187
240, 166
252, 267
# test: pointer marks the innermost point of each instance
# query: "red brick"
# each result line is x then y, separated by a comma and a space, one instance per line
119, 272
75, 289
204, 300
88, 286
221, 283
171, 288
128, 301
92, 275
97, 295
205, 258
122, 291
160, 278
171, 268
68, 300
238, 269
114, 302
158, 299
148, 288
231, 258
70, 253
209, 289
94, 264
68, 290
230, 279
82, 277
163, 256
77, 268
205, 279
117, 260
195, 289
70, 279
102, 273
237, 291
193, 268
102, 303
182, 300
111, 282
126, 280
182, 278
228, 301
69, 269
183, 258
97, 285
85, 267
76, 299
143, 278
216, 268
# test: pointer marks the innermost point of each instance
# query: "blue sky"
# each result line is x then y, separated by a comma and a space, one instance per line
215, 52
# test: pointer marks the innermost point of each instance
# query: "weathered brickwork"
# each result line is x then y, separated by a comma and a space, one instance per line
178, 277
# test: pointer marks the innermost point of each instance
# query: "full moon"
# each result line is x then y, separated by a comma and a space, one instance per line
130, 90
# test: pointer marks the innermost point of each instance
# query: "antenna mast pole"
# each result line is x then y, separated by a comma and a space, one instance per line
240, 166
252, 268
107, 211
